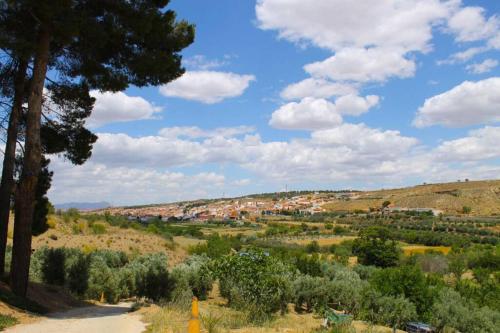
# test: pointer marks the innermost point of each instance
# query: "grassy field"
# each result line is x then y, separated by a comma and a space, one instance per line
322, 241
409, 250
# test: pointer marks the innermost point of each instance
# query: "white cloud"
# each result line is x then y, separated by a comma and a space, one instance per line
462, 56
123, 169
363, 65
318, 88
207, 86
336, 24
313, 114
200, 62
195, 132
481, 144
354, 105
308, 114
93, 182
470, 24
365, 140
482, 67
119, 107
495, 42
469, 103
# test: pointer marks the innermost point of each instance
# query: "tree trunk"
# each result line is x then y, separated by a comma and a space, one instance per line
7, 183
25, 194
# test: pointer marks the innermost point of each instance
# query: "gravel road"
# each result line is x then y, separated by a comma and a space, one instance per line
94, 319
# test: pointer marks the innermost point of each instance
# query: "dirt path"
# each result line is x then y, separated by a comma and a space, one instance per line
94, 319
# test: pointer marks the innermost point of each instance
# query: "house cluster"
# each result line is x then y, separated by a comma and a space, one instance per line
229, 209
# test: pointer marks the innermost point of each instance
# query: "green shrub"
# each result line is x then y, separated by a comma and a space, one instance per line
77, 271
311, 292
215, 247
407, 281
386, 310
98, 228
7, 321
103, 280
8, 257
152, 279
53, 266
196, 275
254, 280
345, 287
313, 247
452, 311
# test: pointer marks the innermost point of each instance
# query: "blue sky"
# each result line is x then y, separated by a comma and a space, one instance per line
323, 94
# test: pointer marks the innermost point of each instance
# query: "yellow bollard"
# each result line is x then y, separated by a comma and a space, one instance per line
194, 323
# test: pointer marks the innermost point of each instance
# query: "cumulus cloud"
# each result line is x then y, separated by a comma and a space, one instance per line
308, 114
470, 24
125, 185
317, 88
336, 24
313, 114
482, 67
469, 103
363, 65
480, 144
207, 86
119, 107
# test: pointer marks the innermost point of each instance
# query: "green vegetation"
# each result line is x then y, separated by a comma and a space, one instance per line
6, 321
109, 272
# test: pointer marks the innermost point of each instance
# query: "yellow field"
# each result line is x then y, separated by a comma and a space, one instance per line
409, 250
321, 241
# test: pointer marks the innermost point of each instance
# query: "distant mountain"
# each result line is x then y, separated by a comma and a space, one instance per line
83, 205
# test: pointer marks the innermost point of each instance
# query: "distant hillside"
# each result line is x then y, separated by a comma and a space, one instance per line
483, 197
83, 205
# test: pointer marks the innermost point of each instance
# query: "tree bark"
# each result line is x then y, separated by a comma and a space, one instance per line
25, 194
7, 183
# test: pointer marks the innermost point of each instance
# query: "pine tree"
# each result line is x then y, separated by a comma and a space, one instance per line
104, 44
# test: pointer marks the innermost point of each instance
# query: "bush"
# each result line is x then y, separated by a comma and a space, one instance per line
215, 247
103, 280
98, 228
256, 282
311, 292
453, 311
52, 268
77, 271
195, 275
313, 247
345, 287
393, 311
407, 281
152, 279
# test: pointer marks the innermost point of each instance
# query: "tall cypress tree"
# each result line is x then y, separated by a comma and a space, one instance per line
106, 44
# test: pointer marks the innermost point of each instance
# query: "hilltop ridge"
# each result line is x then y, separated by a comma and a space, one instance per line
482, 197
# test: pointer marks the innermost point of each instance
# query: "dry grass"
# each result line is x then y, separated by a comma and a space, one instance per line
482, 196
117, 239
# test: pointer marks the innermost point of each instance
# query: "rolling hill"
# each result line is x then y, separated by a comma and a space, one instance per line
483, 197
